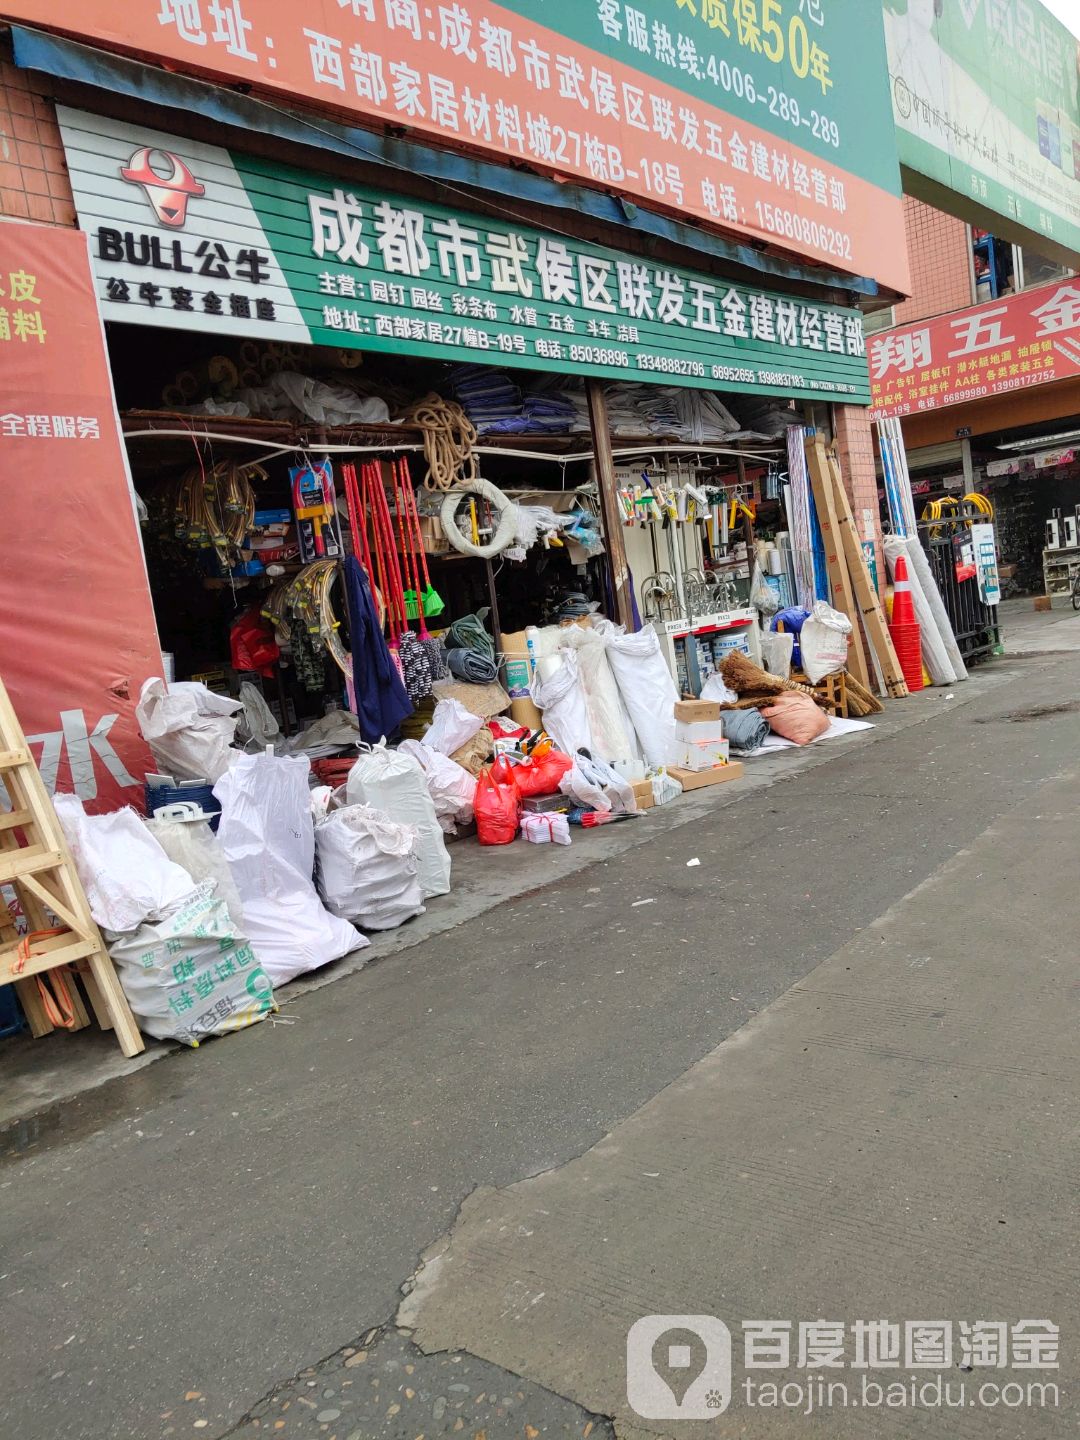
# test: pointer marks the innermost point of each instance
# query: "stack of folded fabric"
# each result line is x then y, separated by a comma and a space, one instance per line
489, 397
547, 412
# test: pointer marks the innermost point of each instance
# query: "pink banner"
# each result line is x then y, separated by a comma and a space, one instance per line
77, 630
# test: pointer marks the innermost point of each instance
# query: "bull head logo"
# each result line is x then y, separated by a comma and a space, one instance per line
168, 193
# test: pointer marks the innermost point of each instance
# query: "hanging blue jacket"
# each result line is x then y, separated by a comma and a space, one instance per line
378, 689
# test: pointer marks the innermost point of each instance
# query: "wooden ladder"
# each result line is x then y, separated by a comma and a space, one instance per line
36, 864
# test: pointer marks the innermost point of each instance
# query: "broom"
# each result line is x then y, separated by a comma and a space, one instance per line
432, 648
433, 603
411, 658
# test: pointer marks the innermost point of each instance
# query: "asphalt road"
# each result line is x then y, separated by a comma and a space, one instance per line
195, 1236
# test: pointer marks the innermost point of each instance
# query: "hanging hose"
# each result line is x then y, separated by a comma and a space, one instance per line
506, 532
981, 503
449, 438
305, 600
215, 509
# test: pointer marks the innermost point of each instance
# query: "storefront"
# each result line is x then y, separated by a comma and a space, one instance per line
406, 455
263, 316
989, 401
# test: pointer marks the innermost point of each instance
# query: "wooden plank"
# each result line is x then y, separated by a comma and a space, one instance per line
27, 861
33, 1009
11, 758
873, 617
57, 950
835, 559
127, 1032
57, 906
609, 504
14, 819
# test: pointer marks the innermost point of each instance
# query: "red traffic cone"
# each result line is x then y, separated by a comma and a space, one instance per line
903, 610
905, 630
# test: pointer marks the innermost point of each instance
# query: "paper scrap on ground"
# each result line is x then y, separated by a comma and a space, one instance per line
837, 729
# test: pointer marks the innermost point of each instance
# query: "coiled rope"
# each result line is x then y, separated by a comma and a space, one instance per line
449, 440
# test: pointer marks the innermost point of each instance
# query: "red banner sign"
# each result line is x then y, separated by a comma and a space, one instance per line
991, 349
762, 119
77, 630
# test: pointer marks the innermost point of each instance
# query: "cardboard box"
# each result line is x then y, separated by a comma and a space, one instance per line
516, 676
695, 779
699, 732
693, 711
643, 794
432, 537
703, 754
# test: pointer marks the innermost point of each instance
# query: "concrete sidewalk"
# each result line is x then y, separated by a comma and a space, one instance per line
1027, 631
39, 1077
893, 1137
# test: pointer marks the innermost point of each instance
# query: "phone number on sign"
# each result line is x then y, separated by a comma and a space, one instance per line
798, 227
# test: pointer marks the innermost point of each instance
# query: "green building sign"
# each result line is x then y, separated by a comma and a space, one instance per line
267, 250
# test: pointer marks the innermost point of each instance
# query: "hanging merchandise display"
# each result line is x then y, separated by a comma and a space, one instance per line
449, 440
313, 505
215, 511
505, 532
381, 701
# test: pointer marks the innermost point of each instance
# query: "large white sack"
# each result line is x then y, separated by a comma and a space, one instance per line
647, 689
561, 700
935, 651
189, 729
267, 835
823, 642
367, 867
127, 876
612, 732
195, 848
392, 782
192, 973
452, 726
450, 785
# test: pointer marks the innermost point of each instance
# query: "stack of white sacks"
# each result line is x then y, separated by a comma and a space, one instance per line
610, 693
203, 927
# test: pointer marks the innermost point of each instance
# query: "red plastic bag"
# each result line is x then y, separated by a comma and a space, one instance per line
252, 643
541, 775
497, 805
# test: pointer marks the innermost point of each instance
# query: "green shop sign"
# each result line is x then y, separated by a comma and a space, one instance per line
196, 237
985, 98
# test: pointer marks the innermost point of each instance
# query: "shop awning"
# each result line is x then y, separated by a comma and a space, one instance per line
67, 60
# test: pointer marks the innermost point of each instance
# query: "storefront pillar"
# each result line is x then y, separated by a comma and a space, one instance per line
854, 436
609, 505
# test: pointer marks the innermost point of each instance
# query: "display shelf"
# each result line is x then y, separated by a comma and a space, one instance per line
1059, 565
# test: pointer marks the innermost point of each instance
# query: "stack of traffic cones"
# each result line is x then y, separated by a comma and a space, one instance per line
905, 629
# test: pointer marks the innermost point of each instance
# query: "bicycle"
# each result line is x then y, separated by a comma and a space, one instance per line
1075, 573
